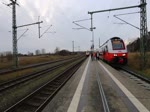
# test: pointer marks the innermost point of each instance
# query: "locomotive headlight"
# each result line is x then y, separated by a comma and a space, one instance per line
123, 54
115, 54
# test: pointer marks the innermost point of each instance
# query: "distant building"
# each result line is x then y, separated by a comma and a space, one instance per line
37, 52
43, 51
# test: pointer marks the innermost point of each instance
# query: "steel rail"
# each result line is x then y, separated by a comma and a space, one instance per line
103, 96
31, 66
9, 84
136, 74
45, 93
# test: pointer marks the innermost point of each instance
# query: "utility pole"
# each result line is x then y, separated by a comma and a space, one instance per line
143, 27
39, 26
14, 32
143, 34
99, 42
73, 46
92, 31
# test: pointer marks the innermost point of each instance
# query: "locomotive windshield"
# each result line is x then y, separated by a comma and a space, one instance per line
117, 44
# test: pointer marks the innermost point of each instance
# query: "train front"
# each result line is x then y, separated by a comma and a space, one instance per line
118, 51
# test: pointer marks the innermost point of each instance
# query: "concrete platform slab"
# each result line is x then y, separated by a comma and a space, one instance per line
90, 99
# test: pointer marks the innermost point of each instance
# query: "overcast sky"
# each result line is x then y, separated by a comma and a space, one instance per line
60, 14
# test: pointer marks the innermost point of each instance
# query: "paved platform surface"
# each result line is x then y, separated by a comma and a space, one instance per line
81, 93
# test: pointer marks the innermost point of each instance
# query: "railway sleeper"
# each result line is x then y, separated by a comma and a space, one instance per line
42, 96
35, 102
50, 89
46, 92
26, 108
59, 81
56, 83
54, 87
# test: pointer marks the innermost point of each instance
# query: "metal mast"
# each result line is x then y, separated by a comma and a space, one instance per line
92, 47
14, 33
143, 34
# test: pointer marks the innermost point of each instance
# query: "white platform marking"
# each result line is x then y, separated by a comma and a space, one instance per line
76, 98
140, 107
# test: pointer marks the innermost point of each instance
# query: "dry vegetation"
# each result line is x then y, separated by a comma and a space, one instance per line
13, 95
134, 63
27, 60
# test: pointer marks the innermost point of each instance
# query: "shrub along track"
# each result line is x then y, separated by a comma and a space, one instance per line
60, 80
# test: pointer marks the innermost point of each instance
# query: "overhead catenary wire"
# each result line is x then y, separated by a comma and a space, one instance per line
22, 34
127, 13
81, 27
127, 22
82, 20
116, 16
46, 30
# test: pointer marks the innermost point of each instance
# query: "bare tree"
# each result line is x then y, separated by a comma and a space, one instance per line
57, 50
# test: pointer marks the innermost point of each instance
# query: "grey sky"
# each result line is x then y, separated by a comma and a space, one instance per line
61, 14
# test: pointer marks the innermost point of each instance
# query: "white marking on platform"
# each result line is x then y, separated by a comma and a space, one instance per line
131, 97
76, 98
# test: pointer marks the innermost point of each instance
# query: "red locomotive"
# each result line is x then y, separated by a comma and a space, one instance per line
114, 51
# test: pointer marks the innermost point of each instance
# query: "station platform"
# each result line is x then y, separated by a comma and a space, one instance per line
83, 92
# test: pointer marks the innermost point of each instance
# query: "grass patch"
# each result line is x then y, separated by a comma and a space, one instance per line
134, 64
14, 75
28, 60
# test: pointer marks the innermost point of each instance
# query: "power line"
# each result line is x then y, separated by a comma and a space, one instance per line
127, 22
45, 31
22, 34
81, 27
127, 13
82, 20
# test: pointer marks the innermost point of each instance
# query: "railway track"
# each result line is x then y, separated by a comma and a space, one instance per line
102, 93
12, 83
135, 74
37, 100
2, 72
